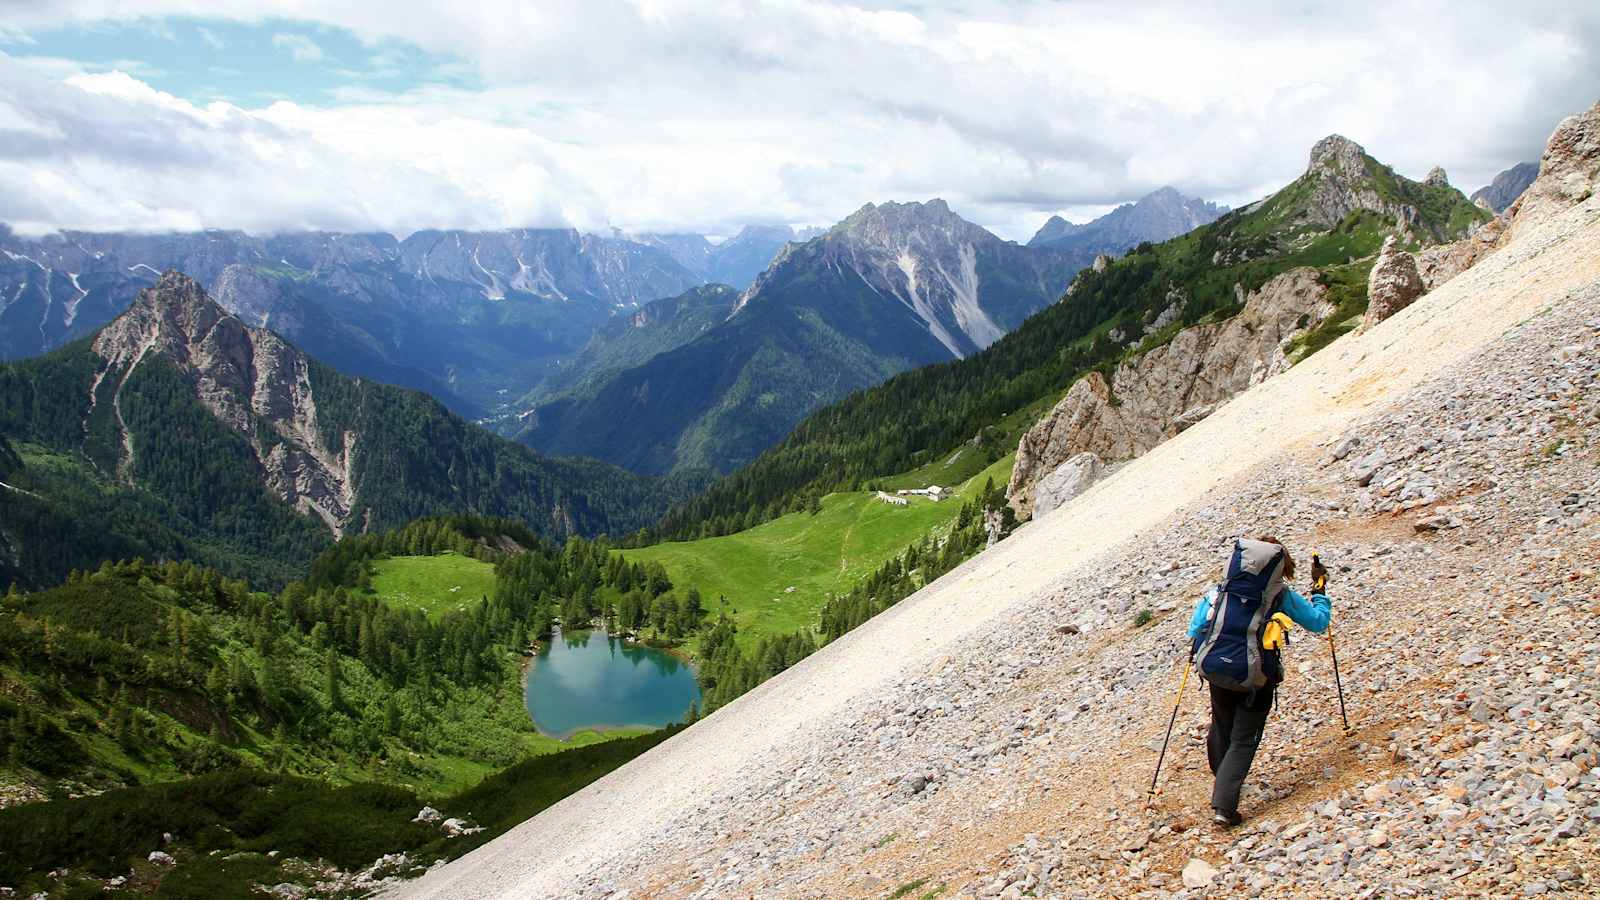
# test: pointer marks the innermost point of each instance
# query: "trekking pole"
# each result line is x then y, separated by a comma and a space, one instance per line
1319, 585
1150, 795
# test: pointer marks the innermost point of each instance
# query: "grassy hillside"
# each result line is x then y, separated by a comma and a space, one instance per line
448, 582
818, 554
929, 413
224, 826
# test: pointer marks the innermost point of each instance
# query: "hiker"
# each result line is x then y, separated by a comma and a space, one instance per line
1237, 643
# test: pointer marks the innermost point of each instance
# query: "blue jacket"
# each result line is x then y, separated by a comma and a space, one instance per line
1312, 615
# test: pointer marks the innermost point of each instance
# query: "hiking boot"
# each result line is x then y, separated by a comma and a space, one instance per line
1225, 820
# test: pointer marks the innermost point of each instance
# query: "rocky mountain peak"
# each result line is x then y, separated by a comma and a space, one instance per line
249, 378
1162, 214
171, 316
894, 223
1338, 157
1437, 177
1569, 172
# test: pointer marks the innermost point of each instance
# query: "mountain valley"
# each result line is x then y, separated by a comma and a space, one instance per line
686, 549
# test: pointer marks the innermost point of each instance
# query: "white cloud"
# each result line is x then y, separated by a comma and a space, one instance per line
302, 48
670, 114
210, 38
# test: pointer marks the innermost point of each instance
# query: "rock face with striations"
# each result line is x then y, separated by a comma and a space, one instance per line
1569, 173
1163, 391
1393, 283
1069, 479
249, 378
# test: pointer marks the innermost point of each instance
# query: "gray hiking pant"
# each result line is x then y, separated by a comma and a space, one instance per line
1237, 721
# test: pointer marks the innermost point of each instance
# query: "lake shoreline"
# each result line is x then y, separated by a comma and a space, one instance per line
640, 696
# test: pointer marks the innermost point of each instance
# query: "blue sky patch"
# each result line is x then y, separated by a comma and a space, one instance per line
249, 65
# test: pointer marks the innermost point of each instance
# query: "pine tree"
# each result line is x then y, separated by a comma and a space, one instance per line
331, 671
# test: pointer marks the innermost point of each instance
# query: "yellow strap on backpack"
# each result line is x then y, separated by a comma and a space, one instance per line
1276, 635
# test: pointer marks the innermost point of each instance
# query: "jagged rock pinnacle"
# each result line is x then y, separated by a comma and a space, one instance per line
1437, 177
1337, 155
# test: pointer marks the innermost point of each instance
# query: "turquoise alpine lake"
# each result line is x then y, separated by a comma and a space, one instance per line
591, 680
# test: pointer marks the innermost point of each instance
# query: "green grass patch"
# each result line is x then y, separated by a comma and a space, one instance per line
436, 585
817, 555
906, 889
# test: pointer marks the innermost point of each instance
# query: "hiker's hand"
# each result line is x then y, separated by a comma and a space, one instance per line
1319, 576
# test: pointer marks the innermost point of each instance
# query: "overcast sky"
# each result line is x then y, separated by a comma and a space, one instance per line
658, 115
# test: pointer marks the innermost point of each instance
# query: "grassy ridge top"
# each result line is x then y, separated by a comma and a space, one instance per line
436, 585
815, 553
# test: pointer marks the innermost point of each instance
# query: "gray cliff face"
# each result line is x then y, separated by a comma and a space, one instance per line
248, 378
1169, 388
1506, 187
1158, 216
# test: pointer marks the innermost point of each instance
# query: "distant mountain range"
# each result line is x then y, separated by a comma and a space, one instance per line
535, 330
892, 287
1329, 222
1507, 186
474, 318
736, 261
1157, 216
180, 431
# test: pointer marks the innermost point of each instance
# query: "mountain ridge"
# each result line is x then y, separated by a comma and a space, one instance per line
462, 315
1126, 307
191, 434
891, 287
1157, 216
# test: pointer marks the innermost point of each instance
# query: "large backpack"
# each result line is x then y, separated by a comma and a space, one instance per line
1229, 651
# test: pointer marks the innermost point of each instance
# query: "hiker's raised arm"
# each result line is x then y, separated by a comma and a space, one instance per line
1313, 615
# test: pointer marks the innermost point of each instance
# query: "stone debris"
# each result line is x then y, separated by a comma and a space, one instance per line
1469, 656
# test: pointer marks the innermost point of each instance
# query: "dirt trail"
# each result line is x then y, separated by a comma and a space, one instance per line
602, 837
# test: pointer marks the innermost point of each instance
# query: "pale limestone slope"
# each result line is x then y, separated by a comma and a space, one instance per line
769, 728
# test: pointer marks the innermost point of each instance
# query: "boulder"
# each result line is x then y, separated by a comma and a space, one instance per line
1393, 284
1066, 481
428, 816
1198, 873
161, 858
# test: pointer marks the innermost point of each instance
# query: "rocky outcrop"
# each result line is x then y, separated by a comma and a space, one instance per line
1437, 177
1442, 262
1393, 283
1341, 179
1569, 172
1159, 393
249, 378
1068, 480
